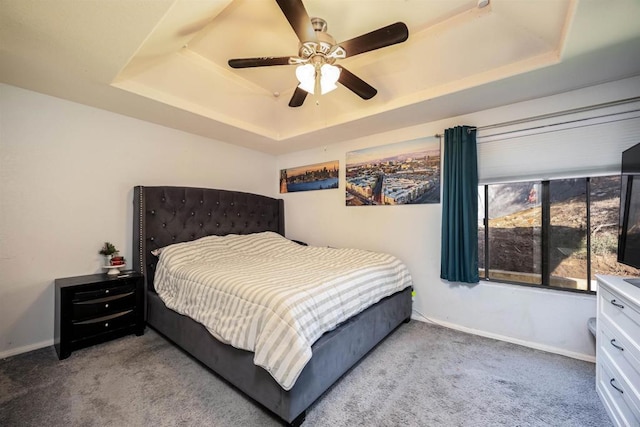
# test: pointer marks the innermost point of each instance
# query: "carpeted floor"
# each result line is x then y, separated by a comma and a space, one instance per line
422, 375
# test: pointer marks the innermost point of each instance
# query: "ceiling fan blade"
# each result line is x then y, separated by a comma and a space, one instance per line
298, 97
356, 85
258, 62
382, 37
298, 18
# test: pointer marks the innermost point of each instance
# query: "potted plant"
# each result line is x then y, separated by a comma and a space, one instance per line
109, 251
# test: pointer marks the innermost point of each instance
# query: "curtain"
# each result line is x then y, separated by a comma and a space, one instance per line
459, 259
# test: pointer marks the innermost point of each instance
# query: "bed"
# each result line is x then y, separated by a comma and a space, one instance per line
167, 215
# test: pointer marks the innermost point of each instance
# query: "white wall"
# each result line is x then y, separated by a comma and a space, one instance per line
66, 178
540, 318
67, 173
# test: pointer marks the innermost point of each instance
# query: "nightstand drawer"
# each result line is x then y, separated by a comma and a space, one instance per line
102, 306
103, 324
105, 291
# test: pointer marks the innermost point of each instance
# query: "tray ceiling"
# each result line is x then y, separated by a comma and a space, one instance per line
166, 61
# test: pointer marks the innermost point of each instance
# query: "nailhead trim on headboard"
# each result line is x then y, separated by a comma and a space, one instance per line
140, 232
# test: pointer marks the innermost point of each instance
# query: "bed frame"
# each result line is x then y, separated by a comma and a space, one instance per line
167, 215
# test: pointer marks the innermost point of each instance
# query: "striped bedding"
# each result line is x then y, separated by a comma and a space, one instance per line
266, 294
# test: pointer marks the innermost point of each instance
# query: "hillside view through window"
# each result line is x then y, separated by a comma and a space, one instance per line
557, 233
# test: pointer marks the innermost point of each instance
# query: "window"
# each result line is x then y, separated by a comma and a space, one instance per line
557, 233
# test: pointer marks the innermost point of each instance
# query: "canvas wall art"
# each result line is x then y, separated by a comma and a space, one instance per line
402, 173
319, 176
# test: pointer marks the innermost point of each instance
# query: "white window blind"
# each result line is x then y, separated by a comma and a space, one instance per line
572, 145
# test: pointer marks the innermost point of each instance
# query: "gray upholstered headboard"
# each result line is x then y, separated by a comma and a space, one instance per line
167, 215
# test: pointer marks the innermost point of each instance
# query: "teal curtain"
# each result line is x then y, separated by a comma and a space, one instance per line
459, 262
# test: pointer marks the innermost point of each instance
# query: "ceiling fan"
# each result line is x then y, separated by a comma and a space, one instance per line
319, 51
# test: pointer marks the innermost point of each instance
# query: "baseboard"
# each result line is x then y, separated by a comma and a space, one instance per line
25, 349
414, 315
549, 349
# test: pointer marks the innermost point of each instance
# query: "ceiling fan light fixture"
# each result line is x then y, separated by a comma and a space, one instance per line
318, 50
329, 75
306, 75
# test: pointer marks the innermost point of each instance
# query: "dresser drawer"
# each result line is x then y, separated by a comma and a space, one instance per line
102, 306
615, 391
623, 354
102, 324
620, 312
105, 290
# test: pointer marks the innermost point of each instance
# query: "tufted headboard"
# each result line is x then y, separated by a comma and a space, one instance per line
166, 215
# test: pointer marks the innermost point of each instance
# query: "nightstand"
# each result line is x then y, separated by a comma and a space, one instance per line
97, 308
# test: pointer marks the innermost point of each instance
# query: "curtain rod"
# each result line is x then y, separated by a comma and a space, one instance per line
552, 115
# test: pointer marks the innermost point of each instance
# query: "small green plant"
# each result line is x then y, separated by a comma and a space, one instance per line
108, 249
604, 244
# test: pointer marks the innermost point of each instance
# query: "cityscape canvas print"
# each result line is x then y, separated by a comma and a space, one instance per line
395, 174
320, 176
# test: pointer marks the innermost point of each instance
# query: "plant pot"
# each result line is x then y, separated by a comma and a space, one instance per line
117, 260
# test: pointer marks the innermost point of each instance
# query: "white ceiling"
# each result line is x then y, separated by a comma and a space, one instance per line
165, 61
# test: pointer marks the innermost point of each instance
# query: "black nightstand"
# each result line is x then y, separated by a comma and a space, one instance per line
97, 308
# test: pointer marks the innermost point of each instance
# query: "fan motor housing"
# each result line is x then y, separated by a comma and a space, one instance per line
324, 45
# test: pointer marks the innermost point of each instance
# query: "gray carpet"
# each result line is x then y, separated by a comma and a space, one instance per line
422, 375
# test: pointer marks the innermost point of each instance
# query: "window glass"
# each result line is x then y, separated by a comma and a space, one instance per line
514, 232
605, 207
550, 233
481, 232
568, 233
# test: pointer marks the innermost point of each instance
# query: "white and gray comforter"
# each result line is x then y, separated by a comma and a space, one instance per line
266, 294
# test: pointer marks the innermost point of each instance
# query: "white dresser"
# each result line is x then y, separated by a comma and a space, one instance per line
618, 349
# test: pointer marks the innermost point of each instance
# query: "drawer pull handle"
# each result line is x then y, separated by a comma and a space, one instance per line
614, 386
613, 343
106, 325
106, 306
107, 291
616, 304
